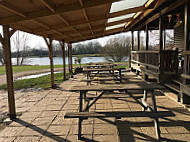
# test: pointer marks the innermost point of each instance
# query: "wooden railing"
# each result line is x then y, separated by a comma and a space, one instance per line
157, 62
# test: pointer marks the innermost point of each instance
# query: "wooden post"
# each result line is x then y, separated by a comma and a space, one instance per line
62, 44
161, 46
132, 40
68, 55
50, 47
147, 44
9, 71
184, 92
161, 32
70, 59
132, 48
138, 40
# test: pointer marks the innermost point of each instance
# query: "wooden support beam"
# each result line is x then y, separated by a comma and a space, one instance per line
132, 41
12, 9
50, 47
161, 32
59, 9
49, 4
186, 69
138, 40
9, 71
12, 32
86, 17
127, 11
67, 23
70, 58
62, 44
107, 33
119, 22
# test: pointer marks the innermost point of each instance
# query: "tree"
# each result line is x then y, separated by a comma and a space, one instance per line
117, 49
20, 42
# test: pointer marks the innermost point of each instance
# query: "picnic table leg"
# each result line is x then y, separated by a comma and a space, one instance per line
145, 98
80, 120
156, 122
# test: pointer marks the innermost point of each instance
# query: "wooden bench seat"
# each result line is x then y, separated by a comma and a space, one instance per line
119, 114
113, 97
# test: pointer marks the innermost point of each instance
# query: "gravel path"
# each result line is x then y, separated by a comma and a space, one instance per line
26, 73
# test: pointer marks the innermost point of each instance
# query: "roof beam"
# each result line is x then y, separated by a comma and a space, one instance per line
49, 4
86, 17
67, 23
119, 22
59, 9
127, 11
12, 9
98, 18
150, 4
49, 28
109, 32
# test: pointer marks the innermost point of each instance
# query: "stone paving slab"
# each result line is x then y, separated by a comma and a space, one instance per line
42, 119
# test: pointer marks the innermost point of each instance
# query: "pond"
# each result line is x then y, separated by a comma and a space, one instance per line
58, 60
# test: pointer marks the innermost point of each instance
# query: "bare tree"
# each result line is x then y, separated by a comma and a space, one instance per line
117, 49
20, 42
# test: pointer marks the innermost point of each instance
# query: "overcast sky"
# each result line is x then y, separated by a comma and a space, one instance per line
37, 41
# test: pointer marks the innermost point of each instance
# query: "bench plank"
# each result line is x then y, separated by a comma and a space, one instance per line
129, 86
158, 114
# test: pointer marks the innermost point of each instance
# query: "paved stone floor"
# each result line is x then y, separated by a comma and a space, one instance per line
42, 119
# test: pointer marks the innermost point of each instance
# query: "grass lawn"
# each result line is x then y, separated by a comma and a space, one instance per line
29, 68
43, 82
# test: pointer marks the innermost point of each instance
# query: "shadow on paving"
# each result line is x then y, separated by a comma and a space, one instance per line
125, 126
41, 131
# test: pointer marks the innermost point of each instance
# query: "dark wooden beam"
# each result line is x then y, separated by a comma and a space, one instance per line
9, 71
49, 4
161, 32
138, 41
127, 11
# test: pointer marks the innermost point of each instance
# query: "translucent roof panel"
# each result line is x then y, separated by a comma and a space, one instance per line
126, 4
115, 26
120, 17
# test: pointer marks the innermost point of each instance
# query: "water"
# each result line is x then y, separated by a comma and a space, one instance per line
58, 60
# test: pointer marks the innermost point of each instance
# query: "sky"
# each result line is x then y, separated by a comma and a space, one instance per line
37, 41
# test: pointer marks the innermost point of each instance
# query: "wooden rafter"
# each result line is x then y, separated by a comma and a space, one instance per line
109, 32
78, 23
108, 10
119, 22
49, 4
86, 17
11, 8
67, 23
59, 9
150, 4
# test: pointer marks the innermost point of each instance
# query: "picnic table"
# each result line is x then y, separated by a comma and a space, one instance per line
100, 66
94, 72
147, 111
